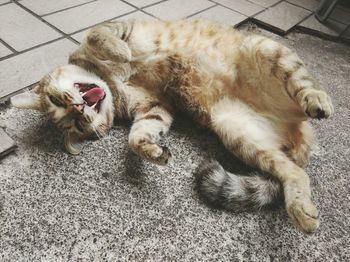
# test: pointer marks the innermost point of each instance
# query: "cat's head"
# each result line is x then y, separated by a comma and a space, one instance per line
79, 102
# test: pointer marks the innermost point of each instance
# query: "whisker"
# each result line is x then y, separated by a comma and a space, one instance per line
97, 132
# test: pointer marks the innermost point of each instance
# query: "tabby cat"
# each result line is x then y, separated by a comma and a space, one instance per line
254, 93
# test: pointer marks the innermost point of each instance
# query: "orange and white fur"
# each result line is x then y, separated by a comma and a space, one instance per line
254, 93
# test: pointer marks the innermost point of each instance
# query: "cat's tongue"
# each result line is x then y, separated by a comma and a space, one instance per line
94, 95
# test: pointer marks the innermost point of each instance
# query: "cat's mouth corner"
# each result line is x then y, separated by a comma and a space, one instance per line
92, 94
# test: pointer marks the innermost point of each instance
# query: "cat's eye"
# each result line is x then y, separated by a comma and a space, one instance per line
56, 101
79, 126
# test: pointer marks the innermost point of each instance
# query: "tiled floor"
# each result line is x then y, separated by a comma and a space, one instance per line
38, 35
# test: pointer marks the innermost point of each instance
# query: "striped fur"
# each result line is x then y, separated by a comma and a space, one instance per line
254, 93
233, 192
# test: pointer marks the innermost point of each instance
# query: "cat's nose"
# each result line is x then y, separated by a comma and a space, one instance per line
78, 108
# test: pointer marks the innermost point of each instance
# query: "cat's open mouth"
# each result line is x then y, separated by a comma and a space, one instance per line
92, 94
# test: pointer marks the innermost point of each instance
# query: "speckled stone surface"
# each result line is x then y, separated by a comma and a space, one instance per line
108, 204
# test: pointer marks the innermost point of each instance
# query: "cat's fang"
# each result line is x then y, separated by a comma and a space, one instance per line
94, 105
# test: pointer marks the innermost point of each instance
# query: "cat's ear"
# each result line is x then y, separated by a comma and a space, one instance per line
27, 100
73, 143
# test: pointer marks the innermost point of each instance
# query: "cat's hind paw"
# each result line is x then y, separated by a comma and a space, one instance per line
304, 215
317, 104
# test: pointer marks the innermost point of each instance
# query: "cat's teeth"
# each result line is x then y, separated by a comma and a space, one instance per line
82, 94
93, 106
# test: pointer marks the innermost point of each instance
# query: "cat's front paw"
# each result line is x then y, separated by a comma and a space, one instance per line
304, 214
158, 154
317, 104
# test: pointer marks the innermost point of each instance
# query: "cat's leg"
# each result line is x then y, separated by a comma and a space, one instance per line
299, 143
254, 139
151, 121
275, 61
108, 41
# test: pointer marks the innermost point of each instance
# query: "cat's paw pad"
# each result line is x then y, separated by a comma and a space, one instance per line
304, 215
317, 104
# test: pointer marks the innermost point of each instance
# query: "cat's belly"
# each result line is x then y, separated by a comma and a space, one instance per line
192, 84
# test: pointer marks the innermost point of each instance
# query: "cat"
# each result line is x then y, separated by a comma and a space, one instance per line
253, 92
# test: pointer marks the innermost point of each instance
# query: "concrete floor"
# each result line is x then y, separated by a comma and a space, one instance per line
107, 203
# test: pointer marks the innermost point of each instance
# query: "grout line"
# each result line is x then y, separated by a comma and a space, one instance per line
8, 46
141, 8
7, 56
210, 7
143, 11
9, 2
146, 6
67, 8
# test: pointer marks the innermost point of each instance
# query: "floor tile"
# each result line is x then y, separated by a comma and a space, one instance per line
177, 9
4, 1
283, 16
308, 4
4, 51
25, 69
264, 3
341, 15
330, 27
222, 15
7, 145
25, 32
136, 15
241, 6
84, 16
142, 3
42, 7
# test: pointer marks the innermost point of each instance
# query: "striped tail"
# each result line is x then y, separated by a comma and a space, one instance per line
238, 193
